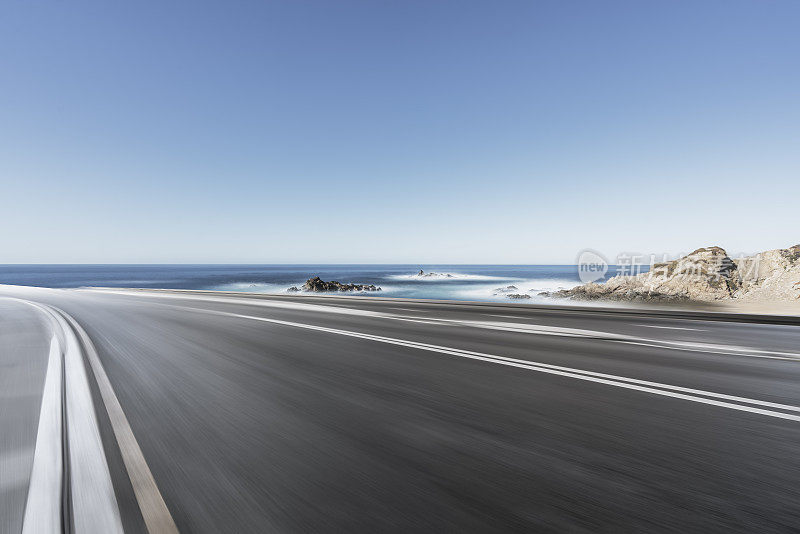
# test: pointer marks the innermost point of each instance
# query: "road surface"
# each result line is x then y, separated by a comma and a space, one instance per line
212, 412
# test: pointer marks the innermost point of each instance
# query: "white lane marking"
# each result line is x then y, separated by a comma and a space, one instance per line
671, 327
43, 504
727, 350
404, 309
668, 390
539, 329
94, 504
299, 306
157, 517
708, 348
545, 330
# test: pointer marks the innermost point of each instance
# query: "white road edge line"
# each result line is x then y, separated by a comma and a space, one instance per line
157, 517
543, 330
43, 504
93, 503
678, 392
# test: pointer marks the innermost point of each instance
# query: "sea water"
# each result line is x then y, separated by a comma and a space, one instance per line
455, 282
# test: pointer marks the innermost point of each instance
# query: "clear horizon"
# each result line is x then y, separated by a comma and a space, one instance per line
396, 133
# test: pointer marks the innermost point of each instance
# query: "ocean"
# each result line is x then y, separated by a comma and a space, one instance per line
453, 282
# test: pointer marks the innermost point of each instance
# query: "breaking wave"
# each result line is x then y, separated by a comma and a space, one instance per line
444, 277
496, 292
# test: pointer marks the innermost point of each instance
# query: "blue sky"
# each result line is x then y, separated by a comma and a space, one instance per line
376, 131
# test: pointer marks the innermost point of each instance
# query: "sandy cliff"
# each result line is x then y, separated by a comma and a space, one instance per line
707, 274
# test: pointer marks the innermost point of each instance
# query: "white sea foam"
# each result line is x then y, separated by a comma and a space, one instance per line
440, 277
143, 282
496, 292
539, 284
462, 287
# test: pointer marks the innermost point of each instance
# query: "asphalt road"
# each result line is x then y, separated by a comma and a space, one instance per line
338, 414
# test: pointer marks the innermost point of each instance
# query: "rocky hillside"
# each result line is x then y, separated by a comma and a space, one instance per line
707, 274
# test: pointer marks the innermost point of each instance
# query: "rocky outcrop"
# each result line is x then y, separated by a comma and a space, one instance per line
317, 285
773, 275
510, 292
707, 274
507, 289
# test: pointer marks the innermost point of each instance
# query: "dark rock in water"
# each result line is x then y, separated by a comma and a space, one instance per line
518, 296
318, 285
293, 289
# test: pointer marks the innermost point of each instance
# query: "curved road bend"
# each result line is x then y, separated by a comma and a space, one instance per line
338, 414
